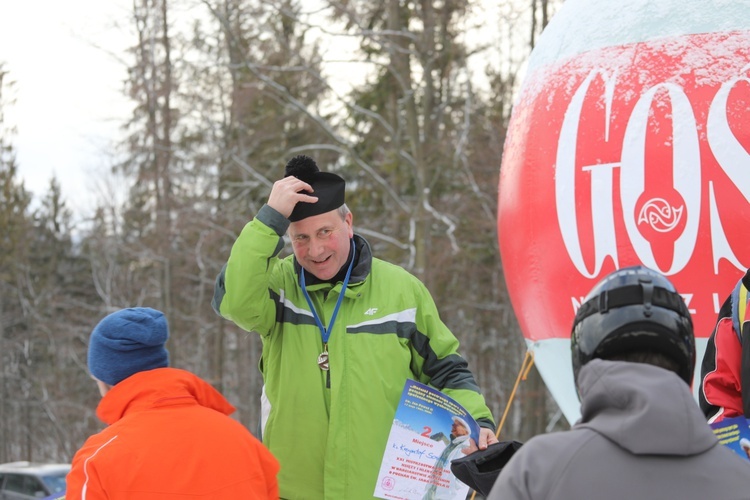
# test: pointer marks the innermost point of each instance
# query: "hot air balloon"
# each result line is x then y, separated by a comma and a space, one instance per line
629, 143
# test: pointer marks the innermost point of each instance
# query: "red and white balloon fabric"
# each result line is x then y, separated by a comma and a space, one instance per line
629, 144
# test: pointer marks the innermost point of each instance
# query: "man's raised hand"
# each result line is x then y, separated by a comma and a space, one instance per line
287, 192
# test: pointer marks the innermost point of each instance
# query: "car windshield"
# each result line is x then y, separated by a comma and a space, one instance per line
55, 482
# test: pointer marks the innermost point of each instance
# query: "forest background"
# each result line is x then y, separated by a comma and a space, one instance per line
223, 93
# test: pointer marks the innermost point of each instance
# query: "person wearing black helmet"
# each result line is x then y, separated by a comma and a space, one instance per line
641, 433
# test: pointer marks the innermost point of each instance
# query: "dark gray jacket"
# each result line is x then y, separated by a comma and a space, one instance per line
641, 436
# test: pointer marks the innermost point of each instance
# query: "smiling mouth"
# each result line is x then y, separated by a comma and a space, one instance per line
321, 261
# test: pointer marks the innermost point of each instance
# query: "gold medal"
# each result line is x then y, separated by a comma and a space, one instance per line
323, 360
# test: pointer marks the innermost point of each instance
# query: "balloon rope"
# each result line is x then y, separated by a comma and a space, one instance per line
523, 373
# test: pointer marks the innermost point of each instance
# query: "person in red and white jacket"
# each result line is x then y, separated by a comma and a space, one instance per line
169, 433
725, 370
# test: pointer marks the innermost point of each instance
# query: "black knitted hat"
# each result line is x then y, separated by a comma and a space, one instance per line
328, 188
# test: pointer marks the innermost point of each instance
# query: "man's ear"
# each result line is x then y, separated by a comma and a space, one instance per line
349, 219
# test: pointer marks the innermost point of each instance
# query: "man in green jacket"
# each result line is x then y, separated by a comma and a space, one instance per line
342, 332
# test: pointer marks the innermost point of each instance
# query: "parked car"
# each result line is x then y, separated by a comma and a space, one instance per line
31, 481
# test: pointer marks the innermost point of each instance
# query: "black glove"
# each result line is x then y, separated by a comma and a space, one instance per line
480, 469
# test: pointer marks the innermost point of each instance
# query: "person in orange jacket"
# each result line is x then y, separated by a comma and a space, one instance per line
169, 433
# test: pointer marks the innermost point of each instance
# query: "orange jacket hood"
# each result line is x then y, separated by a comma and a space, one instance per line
157, 388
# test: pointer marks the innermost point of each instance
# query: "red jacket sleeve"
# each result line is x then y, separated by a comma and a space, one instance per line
725, 370
720, 394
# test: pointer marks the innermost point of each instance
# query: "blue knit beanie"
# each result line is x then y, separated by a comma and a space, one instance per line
126, 342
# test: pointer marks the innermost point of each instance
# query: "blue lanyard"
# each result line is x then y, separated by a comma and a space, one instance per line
326, 332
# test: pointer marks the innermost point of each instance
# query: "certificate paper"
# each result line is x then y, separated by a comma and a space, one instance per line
429, 430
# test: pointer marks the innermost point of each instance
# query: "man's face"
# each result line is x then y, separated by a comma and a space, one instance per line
321, 243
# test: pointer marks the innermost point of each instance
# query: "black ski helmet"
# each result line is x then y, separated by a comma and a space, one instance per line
634, 309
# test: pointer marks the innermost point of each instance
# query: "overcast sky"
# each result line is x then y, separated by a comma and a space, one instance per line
69, 100
63, 56
69, 106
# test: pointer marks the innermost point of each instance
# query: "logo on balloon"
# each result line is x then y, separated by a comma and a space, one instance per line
660, 215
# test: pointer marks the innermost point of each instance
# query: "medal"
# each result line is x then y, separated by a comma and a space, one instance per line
323, 359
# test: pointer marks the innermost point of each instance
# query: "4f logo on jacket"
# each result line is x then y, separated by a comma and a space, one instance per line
371, 311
